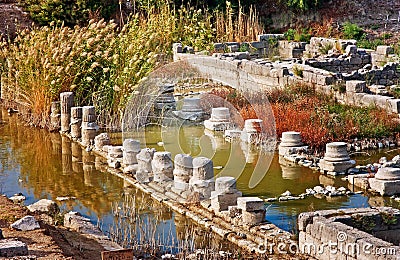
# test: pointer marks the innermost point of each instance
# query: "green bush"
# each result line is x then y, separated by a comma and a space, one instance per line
352, 31
69, 12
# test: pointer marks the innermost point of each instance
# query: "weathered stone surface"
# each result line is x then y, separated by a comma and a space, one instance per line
67, 101
18, 198
12, 247
162, 166
221, 202
384, 50
101, 140
355, 86
250, 204
388, 173
385, 187
75, 221
254, 217
144, 159
44, 206
202, 169
131, 148
225, 185
183, 171
26, 223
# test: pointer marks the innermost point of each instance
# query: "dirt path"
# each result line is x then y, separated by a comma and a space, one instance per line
48, 242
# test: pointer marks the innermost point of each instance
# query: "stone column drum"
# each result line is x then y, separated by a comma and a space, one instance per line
290, 142
144, 168
183, 171
191, 109
55, 116
131, 148
220, 119
386, 181
252, 130
76, 122
67, 101
114, 156
162, 166
100, 141
89, 126
202, 180
225, 194
336, 159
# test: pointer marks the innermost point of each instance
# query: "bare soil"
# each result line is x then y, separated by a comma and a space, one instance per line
48, 242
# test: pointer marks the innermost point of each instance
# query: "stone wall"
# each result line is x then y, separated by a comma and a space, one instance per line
359, 233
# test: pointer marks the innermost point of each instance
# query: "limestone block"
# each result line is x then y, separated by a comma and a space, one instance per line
394, 104
341, 166
162, 166
12, 247
75, 221
115, 152
336, 151
252, 218
202, 169
250, 204
357, 86
203, 187
225, 185
384, 50
385, 187
44, 206
101, 140
26, 223
221, 202
144, 159
142, 176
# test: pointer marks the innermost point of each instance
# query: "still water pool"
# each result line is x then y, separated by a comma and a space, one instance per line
40, 165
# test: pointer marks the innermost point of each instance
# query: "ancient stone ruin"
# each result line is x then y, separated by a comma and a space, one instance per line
336, 159
290, 143
220, 119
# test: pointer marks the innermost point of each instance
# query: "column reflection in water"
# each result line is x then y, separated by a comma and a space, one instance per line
66, 156
290, 170
89, 171
77, 165
56, 143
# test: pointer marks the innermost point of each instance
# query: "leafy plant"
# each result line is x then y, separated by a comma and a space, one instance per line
298, 71
324, 49
352, 31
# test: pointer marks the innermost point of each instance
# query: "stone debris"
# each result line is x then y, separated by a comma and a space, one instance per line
65, 198
77, 222
46, 206
26, 223
12, 248
18, 198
